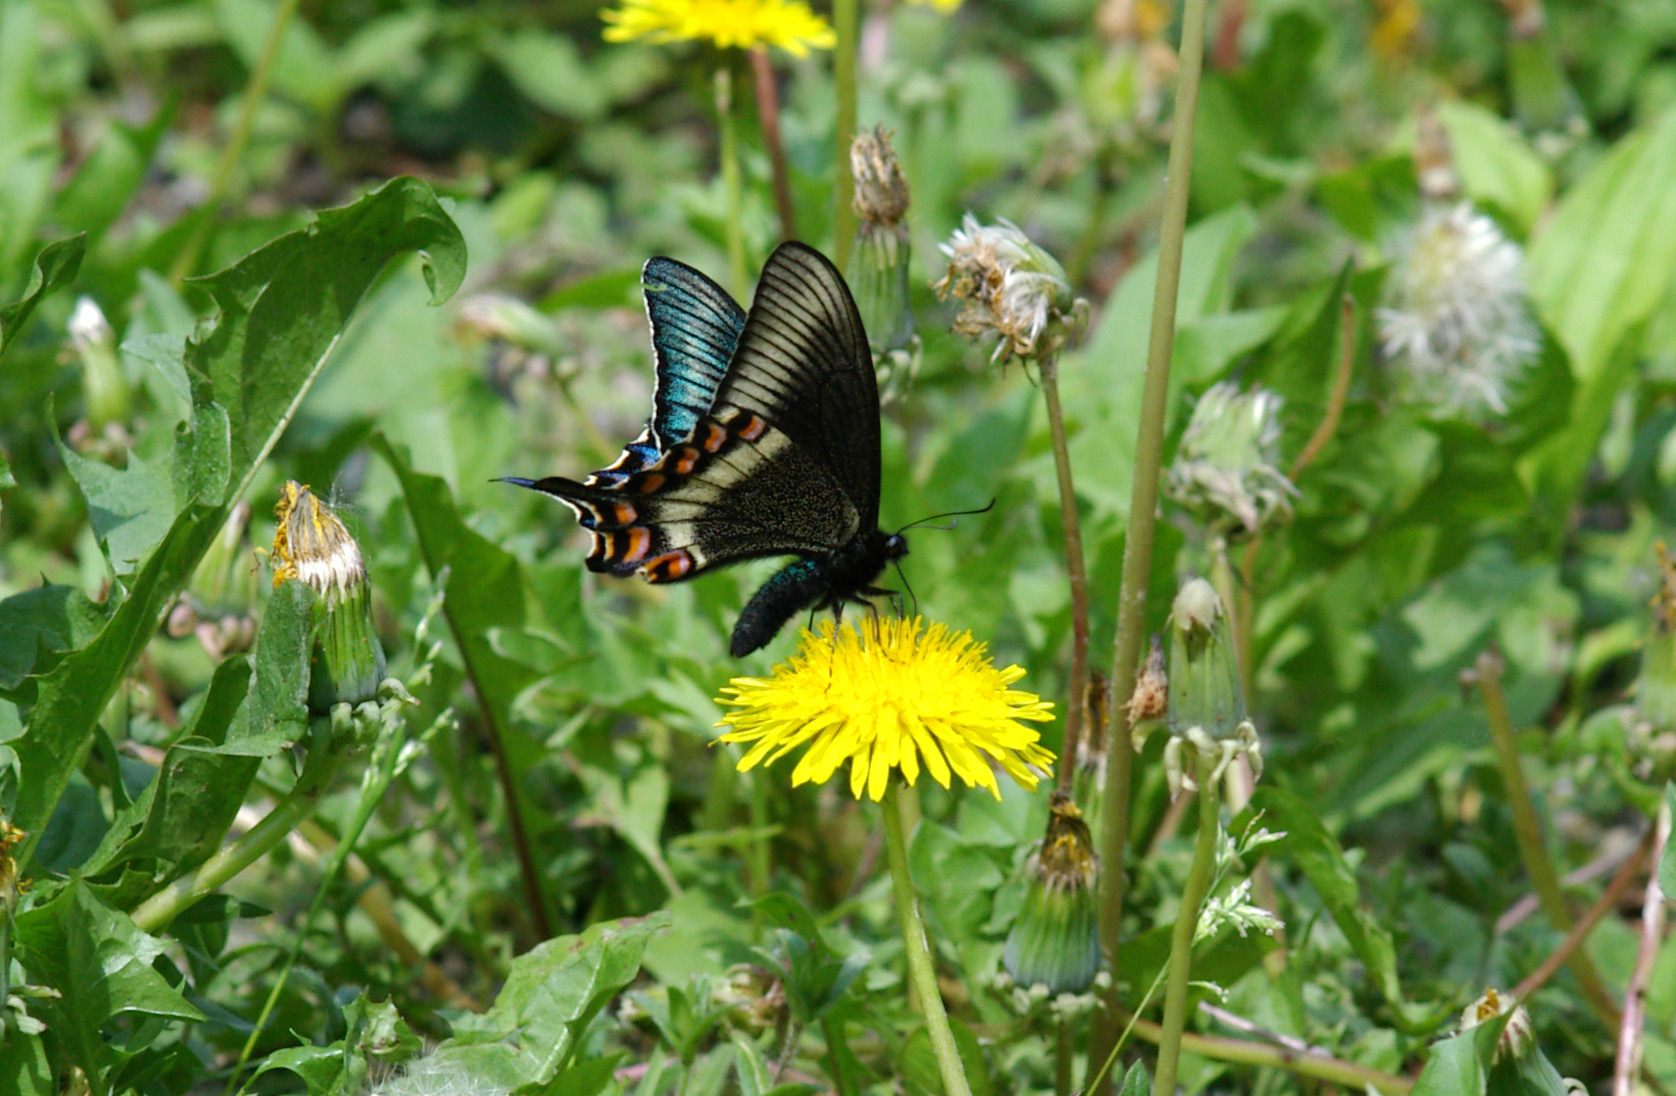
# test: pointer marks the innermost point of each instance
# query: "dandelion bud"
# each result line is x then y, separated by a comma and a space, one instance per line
312, 546
1206, 697
1517, 1038
1055, 942
1011, 289
1226, 471
878, 271
104, 387
1455, 328
10, 886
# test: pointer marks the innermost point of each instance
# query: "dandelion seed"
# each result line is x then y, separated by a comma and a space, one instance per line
892, 698
1455, 324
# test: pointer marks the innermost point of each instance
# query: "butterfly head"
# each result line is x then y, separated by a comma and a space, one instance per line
895, 547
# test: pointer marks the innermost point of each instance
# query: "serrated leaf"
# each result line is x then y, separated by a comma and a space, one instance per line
277, 714
54, 268
282, 309
101, 965
41, 622
552, 994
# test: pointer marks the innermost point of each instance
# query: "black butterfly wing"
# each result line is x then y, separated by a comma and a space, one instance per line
804, 365
737, 488
695, 327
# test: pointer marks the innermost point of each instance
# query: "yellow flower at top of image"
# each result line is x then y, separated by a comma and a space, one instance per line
891, 698
742, 24
943, 6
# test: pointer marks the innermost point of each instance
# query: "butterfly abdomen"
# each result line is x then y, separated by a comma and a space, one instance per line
793, 588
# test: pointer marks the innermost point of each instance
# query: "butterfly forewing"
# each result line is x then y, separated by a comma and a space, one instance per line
803, 364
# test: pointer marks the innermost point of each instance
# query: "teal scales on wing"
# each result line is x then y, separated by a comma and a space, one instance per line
783, 461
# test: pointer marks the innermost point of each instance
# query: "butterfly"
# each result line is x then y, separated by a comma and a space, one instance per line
763, 441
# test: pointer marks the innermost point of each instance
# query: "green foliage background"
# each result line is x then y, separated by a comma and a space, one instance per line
412, 161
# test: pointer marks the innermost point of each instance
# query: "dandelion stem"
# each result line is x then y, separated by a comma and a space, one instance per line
844, 23
157, 912
1075, 567
1527, 830
1187, 922
731, 179
1628, 1065
1143, 503
254, 93
922, 974
768, 114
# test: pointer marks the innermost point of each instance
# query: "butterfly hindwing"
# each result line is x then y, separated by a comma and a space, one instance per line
803, 364
695, 327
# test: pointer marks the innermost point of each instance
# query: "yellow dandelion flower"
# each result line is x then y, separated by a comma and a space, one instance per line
890, 698
742, 24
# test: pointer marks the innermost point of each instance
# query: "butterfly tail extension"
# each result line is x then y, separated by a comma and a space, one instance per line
793, 588
620, 546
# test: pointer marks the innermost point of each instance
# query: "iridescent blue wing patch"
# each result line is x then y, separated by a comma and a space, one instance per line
695, 327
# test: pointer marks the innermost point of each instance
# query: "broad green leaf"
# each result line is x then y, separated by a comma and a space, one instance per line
25, 1069
55, 267
1667, 859
283, 307
41, 622
1136, 1082
1606, 259
324, 1071
277, 714
582, 1079
183, 814
1498, 167
487, 590
1458, 1065
101, 964
553, 992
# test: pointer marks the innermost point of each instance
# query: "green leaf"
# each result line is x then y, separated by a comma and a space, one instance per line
1136, 1082
1458, 1065
55, 267
42, 622
583, 1079
1308, 845
1667, 859
108, 178
181, 817
1498, 167
101, 965
25, 1069
553, 992
282, 309
278, 712
1607, 258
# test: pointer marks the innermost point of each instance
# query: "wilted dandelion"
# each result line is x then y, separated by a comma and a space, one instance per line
1226, 471
889, 699
312, 546
1010, 289
790, 25
1055, 942
1455, 324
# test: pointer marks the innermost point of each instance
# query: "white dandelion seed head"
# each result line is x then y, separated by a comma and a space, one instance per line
1009, 288
1455, 322
1227, 469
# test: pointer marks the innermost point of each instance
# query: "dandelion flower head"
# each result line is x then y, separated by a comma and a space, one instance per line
730, 24
1009, 288
1455, 320
896, 696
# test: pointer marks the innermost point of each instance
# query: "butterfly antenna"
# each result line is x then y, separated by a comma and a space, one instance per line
913, 597
949, 514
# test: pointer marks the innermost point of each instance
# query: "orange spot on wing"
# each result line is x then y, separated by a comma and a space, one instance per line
753, 429
667, 567
650, 482
686, 459
622, 513
714, 436
637, 540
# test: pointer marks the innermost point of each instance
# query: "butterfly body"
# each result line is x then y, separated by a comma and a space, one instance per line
764, 441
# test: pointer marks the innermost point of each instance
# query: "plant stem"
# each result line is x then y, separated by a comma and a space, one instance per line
157, 912
1064, 1058
844, 23
1606, 903
922, 975
731, 179
1187, 922
837, 1070
1627, 1068
1354, 1077
768, 114
1071, 525
254, 93
1143, 503
1527, 831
